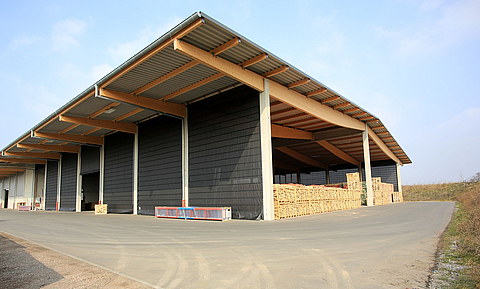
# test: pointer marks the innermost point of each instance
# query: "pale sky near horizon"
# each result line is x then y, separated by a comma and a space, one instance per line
414, 64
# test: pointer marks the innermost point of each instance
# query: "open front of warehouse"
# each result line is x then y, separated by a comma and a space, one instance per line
203, 117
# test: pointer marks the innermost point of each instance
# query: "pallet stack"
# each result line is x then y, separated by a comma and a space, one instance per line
293, 200
397, 197
382, 192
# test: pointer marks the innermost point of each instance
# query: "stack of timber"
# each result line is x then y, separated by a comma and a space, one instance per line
397, 197
294, 200
382, 192
101, 209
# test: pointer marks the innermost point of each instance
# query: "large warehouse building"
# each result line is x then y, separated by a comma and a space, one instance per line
200, 117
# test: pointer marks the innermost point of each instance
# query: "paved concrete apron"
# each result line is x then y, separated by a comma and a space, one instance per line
390, 246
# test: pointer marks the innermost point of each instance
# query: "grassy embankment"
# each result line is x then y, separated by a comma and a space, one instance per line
461, 241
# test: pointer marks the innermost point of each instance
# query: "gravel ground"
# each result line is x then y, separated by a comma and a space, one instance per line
27, 265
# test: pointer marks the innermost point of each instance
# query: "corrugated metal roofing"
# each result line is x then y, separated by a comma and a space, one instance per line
207, 37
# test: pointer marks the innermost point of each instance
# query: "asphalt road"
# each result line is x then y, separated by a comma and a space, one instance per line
390, 246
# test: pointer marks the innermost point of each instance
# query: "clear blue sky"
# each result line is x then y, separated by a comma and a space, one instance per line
414, 64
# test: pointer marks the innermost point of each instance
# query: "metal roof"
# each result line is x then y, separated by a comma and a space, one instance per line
148, 67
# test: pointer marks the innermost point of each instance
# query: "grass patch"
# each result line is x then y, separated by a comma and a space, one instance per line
459, 250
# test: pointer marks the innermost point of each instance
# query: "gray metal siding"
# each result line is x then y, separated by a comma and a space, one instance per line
159, 164
68, 182
90, 160
52, 184
388, 174
118, 174
224, 153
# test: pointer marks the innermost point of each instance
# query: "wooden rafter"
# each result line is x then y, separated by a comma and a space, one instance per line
145, 102
166, 77
277, 90
194, 25
327, 125
55, 148
282, 111
53, 156
359, 114
338, 152
378, 127
301, 157
341, 105
120, 118
382, 133
107, 124
366, 117
22, 161
4, 170
300, 120
70, 137
311, 124
254, 60
351, 110
287, 132
275, 71
194, 85
227, 45
287, 117
316, 92
298, 83
380, 143
333, 98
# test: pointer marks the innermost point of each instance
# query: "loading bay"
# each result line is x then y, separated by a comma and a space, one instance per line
391, 246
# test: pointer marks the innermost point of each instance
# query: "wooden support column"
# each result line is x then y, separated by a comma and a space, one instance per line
102, 174
78, 207
135, 175
266, 149
368, 169
399, 178
185, 160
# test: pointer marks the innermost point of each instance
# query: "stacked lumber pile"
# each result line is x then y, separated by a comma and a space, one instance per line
293, 200
397, 197
382, 192
101, 209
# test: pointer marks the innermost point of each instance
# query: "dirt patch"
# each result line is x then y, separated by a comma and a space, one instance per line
27, 265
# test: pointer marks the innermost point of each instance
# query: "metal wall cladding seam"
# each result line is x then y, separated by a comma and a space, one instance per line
118, 172
52, 184
224, 153
159, 164
68, 182
90, 160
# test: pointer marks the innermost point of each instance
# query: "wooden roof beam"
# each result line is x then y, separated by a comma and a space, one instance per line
338, 152
321, 126
287, 132
23, 161
359, 114
277, 90
193, 86
366, 117
253, 60
379, 142
301, 157
166, 77
330, 99
95, 114
288, 117
96, 140
316, 92
120, 118
227, 45
144, 102
106, 124
52, 156
275, 71
351, 110
54, 148
341, 105
298, 83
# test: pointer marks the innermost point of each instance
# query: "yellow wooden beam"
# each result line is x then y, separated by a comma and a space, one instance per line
338, 152
194, 25
120, 118
53, 156
145, 102
330, 99
298, 83
54, 148
194, 85
359, 114
22, 161
316, 92
341, 105
301, 157
254, 60
366, 117
382, 145
70, 137
287, 132
95, 114
166, 77
107, 124
277, 90
275, 71
227, 45
351, 110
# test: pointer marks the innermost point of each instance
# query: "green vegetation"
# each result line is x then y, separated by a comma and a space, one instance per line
435, 192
